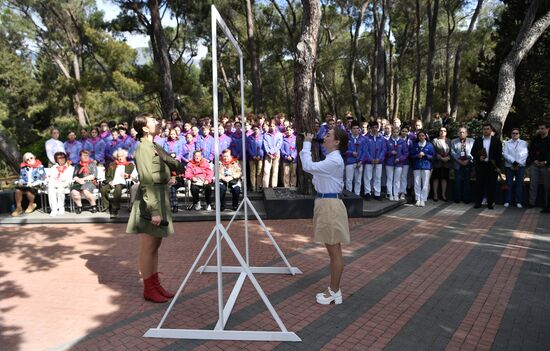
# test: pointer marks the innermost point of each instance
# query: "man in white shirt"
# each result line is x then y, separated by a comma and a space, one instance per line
515, 154
53, 146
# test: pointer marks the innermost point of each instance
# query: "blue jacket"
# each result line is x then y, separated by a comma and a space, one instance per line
374, 148
402, 156
206, 145
73, 151
355, 146
175, 147
236, 145
255, 146
424, 163
273, 143
289, 149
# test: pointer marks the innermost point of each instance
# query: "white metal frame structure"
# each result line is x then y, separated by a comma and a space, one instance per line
221, 232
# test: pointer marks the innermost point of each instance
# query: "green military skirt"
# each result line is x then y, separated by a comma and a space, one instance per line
138, 225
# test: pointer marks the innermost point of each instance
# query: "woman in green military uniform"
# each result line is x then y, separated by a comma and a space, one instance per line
151, 217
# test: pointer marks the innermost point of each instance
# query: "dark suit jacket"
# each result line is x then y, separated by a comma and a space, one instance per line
495, 151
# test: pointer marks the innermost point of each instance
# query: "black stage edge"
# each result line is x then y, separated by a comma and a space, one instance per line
286, 203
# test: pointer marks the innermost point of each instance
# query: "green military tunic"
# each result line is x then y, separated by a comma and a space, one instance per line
153, 198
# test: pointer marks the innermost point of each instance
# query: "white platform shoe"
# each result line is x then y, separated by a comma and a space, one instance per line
326, 300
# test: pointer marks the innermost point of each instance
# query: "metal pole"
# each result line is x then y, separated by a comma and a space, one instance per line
216, 158
245, 187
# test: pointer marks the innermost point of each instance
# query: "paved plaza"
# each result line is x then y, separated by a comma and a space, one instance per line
441, 277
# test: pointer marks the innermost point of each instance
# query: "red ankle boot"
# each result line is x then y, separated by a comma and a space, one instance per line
160, 288
150, 291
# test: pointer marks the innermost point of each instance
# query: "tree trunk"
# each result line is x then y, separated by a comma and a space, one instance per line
458, 58
9, 153
354, 37
430, 69
304, 79
285, 83
161, 58
228, 89
257, 104
381, 91
527, 37
416, 89
451, 25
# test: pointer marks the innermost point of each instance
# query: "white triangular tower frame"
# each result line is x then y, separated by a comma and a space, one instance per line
221, 232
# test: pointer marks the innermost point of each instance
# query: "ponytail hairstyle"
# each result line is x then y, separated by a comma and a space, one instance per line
342, 137
140, 121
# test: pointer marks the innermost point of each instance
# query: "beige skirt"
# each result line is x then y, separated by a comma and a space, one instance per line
330, 222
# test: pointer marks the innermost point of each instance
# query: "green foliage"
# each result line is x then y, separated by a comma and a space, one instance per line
532, 96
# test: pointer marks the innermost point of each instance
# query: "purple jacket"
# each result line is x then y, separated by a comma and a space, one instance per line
206, 145
255, 146
96, 147
225, 141
273, 143
355, 145
374, 148
289, 149
73, 151
187, 152
402, 156
424, 163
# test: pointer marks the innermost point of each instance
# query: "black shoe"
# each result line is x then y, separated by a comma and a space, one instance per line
545, 210
93, 209
113, 214
477, 206
457, 201
235, 207
78, 210
222, 208
367, 197
529, 206
435, 199
377, 198
444, 199
174, 209
490, 207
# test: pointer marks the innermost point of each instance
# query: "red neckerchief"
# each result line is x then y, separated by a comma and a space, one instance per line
84, 168
124, 163
36, 164
60, 170
227, 164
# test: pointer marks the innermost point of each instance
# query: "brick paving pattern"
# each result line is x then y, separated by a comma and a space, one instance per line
442, 277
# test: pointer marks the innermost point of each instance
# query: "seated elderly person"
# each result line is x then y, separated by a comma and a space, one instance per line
59, 182
85, 180
117, 175
230, 177
200, 174
31, 176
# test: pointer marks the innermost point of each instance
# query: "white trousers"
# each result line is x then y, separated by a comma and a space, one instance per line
372, 172
56, 198
353, 177
404, 179
421, 184
393, 180
271, 171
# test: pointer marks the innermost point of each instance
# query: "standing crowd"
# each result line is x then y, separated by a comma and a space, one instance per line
381, 158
